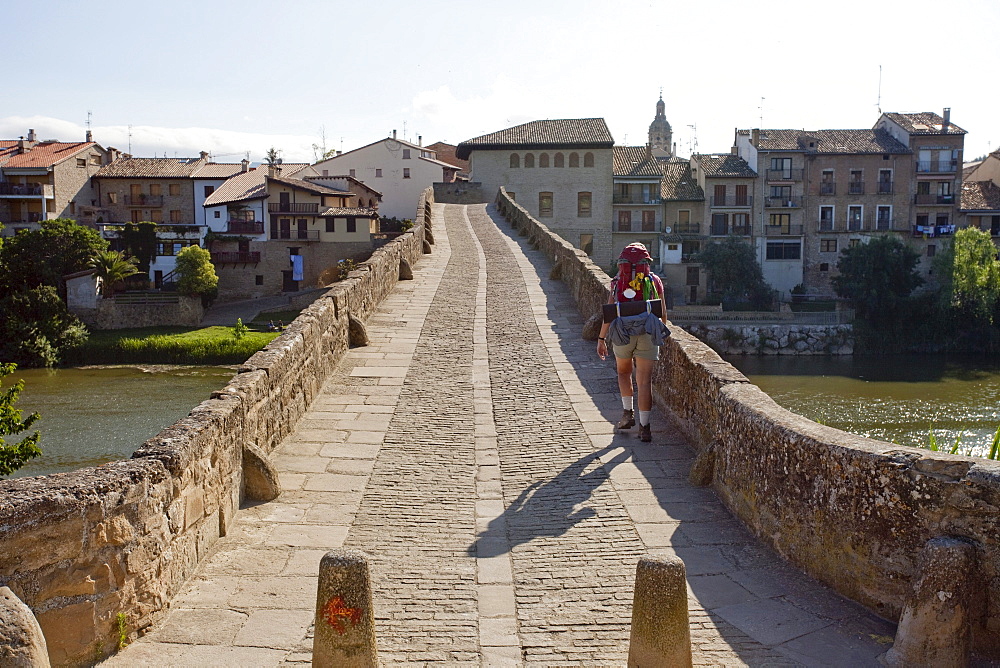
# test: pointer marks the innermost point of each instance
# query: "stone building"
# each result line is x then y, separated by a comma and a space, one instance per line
661, 136
637, 205
274, 234
561, 171
684, 230
42, 180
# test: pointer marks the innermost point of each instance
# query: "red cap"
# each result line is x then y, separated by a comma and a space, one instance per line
635, 253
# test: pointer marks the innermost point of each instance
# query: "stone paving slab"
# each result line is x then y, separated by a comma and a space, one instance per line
470, 451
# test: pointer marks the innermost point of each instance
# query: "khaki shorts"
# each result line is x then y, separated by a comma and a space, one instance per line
640, 345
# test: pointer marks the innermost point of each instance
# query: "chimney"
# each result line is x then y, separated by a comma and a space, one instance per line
947, 120
393, 134
273, 171
339, 152
204, 155
31, 134
733, 151
755, 137
245, 164
22, 145
90, 136
673, 151
420, 140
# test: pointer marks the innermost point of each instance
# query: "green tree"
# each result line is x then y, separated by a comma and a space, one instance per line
972, 276
735, 273
272, 157
878, 279
113, 268
15, 455
42, 257
36, 328
196, 273
140, 243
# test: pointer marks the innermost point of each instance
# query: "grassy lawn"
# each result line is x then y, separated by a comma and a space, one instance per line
171, 345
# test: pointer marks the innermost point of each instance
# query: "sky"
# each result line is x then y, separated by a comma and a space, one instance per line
235, 78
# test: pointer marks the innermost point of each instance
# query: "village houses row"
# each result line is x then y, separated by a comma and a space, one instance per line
798, 197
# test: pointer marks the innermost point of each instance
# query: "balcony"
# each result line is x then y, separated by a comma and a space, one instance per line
293, 207
784, 175
928, 198
828, 188
791, 202
245, 227
727, 230
885, 187
143, 200
635, 199
298, 235
884, 224
855, 188
936, 166
687, 228
933, 230
783, 230
13, 190
733, 201
236, 257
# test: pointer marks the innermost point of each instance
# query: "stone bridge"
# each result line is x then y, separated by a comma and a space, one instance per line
469, 450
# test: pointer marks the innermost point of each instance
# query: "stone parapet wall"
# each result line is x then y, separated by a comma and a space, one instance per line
81, 547
737, 339
853, 512
459, 192
187, 311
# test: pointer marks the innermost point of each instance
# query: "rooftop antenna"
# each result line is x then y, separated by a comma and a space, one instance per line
878, 104
404, 131
130, 139
89, 114
761, 112
693, 144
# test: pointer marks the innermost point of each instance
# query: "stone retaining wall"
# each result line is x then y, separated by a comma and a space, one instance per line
737, 339
853, 512
110, 315
459, 192
81, 547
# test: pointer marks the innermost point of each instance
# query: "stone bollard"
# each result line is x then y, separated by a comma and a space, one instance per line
934, 629
260, 477
660, 631
357, 334
345, 623
405, 270
22, 644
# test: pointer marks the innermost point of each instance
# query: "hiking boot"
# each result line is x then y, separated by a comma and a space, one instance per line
645, 433
627, 421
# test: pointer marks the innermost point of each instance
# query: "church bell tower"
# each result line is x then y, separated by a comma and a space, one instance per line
660, 134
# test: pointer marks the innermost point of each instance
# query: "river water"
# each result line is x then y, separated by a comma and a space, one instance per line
892, 398
93, 415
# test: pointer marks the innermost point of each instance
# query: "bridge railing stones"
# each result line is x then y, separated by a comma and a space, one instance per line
855, 513
81, 547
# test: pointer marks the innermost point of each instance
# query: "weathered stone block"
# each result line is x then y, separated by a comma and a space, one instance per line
22, 644
69, 631
260, 477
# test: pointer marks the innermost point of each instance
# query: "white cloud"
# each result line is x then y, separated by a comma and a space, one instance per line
150, 141
457, 119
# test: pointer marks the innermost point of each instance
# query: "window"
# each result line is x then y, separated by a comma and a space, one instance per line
783, 250
824, 266
826, 219
558, 160
543, 160
720, 224
515, 161
624, 221
781, 168
352, 224
693, 276
720, 196
112, 198
175, 216
588, 159
854, 218
72, 207
406, 172
574, 160
856, 185
208, 190
406, 154
885, 181
378, 172
156, 215
648, 221
587, 243
684, 221
741, 224
136, 215
827, 245
827, 186
853, 243
741, 195
923, 187
883, 218
330, 227
780, 222
781, 193
258, 280
583, 205
529, 159
218, 214
931, 250
544, 204
941, 219
81, 162
352, 173
155, 190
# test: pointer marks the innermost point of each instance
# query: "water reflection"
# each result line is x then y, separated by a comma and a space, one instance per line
92, 415
892, 398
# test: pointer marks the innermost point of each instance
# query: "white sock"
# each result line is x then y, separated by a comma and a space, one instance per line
644, 418
627, 403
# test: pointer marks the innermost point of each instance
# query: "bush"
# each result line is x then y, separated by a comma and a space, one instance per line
37, 329
196, 274
15, 455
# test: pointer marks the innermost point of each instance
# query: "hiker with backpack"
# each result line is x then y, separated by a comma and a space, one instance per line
635, 323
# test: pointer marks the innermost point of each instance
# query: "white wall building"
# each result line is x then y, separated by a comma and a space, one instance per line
396, 168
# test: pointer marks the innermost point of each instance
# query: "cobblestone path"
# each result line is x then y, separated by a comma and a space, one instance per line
470, 451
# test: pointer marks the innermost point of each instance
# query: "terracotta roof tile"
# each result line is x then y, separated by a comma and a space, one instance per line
363, 212
39, 156
314, 188
830, 141
724, 165
679, 184
924, 123
243, 186
217, 170
580, 132
980, 196
156, 168
635, 161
